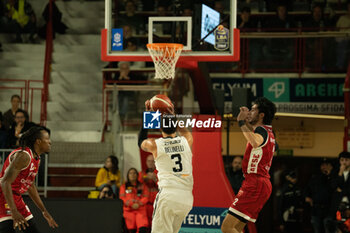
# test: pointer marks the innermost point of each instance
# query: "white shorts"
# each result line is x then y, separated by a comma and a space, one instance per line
170, 209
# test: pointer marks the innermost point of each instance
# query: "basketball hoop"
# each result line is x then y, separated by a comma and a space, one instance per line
164, 56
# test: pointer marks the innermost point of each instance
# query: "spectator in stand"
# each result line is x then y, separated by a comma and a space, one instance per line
128, 32
315, 51
130, 18
276, 51
135, 196
57, 24
344, 20
9, 115
244, 21
109, 175
290, 203
343, 217
161, 10
235, 174
131, 46
343, 24
3, 133
149, 178
20, 126
21, 19
318, 195
341, 183
316, 21
281, 21
107, 193
126, 77
219, 7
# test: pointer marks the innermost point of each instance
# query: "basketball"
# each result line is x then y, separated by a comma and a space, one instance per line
161, 103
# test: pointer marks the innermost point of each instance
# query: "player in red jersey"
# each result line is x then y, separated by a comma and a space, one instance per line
256, 188
17, 177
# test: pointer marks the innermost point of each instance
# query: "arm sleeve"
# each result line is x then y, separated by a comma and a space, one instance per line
142, 136
145, 195
262, 131
100, 178
339, 182
122, 195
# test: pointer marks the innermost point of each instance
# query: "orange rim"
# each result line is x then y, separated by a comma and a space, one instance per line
161, 46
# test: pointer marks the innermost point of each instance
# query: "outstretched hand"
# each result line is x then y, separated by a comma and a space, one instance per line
52, 223
19, 221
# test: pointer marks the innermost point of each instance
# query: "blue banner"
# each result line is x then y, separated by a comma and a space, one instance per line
316, 89
204, 220
299, 95
117, 39
227, 84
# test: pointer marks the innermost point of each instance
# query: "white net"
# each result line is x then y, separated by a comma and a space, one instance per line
164, 58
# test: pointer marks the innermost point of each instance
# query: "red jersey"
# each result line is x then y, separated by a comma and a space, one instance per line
26, 177
258, 160
21, 184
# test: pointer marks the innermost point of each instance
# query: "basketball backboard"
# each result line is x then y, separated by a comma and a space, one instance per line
193, 25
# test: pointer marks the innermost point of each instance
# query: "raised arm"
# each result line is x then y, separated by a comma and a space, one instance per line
255, 139
147, 144
21, 160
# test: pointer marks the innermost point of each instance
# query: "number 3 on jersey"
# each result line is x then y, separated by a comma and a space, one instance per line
178, 164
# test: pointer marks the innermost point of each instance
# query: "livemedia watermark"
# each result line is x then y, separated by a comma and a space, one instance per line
157, 120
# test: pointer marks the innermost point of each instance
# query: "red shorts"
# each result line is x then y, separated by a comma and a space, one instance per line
5, 213
135, 219
252, 196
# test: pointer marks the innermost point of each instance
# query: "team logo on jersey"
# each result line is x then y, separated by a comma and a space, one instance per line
151, 120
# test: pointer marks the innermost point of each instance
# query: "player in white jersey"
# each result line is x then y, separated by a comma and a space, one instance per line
173, 159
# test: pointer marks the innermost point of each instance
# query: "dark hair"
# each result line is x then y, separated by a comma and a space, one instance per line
317, 5
291, 173
131, 2
245, 9
15, 96
26, 116
29, 137
132, 40
115, 163
344, 154
128, 183
109, 192
267, 107
326, 161
170, 121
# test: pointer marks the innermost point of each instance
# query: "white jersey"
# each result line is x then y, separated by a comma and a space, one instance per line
174, 163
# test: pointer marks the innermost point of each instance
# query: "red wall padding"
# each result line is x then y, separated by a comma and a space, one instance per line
211, 186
